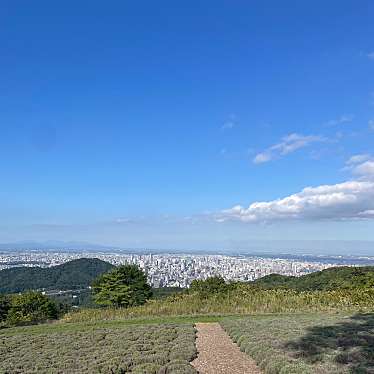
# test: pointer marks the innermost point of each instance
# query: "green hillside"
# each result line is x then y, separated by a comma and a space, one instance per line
71, 275
326, 280
321, 323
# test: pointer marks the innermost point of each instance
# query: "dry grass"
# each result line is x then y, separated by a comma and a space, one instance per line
242, 300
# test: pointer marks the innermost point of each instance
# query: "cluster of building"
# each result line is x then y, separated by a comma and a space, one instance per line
176, 270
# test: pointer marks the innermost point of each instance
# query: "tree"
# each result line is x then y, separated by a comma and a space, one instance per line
4, 307
210, 286
30, 307
124, 286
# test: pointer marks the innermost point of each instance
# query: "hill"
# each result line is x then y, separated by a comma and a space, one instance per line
72, 275
282, 329
325, 280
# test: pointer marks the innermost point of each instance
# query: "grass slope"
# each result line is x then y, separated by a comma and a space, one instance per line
302, 344
243, 299
150, 349
313, 343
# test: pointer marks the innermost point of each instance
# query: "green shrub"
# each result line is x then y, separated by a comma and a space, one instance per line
274, 364
179, 367
29, 308
148, 368
208, 287
295, 368
4, 307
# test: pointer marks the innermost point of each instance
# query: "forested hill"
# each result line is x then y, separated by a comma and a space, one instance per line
71, 275
329, 279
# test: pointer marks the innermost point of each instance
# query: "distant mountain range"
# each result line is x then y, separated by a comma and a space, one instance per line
54, 244
74, 274
231, 247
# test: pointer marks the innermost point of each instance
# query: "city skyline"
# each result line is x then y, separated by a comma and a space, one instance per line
179, 270
198, 126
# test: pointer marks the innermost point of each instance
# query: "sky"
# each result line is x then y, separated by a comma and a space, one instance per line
196, 125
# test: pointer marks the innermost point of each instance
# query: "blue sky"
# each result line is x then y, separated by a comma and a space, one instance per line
187, 125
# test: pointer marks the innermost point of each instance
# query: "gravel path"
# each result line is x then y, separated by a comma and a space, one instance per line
217, 354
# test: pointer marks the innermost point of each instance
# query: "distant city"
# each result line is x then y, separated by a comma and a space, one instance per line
179, 270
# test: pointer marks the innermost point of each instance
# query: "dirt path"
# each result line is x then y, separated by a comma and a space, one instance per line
217, 354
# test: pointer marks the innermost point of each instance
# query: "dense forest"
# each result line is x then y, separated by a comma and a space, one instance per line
326, 280
74, 274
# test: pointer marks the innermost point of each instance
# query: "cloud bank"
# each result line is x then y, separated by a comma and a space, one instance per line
349, 200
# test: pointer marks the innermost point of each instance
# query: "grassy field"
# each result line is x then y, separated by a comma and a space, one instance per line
244, 299
151, 348
292, 343
313, 343
61, 327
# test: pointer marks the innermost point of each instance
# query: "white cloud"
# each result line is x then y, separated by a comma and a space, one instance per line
367, 213
356, 159
362, 166
371, 55
371, 124
348, 200
343, 201
288, 144
345, 118
228, 125
123, 220
262, 157
364, 170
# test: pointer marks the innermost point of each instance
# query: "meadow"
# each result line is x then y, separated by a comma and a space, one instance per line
285, 330
302, 344
136, 348
308, 343
242, 299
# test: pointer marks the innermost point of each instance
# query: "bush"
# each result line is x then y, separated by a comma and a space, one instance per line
179, 367
29, 308
4, 307
148, 368
208, 287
